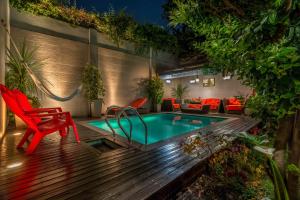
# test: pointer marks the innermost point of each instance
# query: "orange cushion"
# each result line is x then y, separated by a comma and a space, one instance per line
211, 101
138, 102
234, 107
195, 106
234, 101
176, 106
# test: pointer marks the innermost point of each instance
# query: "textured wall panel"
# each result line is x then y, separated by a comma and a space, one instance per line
65, 50
122, 74
63, 64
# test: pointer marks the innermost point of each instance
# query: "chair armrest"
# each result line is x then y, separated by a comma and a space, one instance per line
41, 110
50, 114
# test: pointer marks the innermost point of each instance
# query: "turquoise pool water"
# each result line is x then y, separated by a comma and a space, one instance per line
160, 126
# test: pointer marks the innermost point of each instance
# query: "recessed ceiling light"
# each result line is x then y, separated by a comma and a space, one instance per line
14, 165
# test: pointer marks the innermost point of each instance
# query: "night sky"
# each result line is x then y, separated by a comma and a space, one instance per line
144, 11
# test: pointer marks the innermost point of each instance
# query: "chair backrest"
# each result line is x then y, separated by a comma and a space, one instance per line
167, 105
13, 105
22, 100
234, 101
24, 103
138, 103
173, 100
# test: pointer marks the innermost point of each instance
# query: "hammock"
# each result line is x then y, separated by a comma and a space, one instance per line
39, 84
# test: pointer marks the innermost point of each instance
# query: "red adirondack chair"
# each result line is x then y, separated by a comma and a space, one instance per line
56, 121
25, 105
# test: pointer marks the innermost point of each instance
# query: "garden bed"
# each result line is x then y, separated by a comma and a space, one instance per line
236, 172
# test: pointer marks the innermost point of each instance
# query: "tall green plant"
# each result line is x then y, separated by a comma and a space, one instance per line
93, 85
118, 26
256, 142
260, 42
179, 91
17, 76
155, 90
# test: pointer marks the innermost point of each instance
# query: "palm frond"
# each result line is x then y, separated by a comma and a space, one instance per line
17, 76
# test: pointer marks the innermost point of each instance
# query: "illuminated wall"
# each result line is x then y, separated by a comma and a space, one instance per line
122, 74
65, 51
63, 63
222, 88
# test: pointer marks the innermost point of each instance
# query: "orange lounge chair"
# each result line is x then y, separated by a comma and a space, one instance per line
138, 104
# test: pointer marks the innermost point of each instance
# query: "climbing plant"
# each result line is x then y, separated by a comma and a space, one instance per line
119, 26
259, 41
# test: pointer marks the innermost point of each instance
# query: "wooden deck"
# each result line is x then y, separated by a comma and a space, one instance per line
62, 169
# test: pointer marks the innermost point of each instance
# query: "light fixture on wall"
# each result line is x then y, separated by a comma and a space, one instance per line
168, 81
192, 81
227, 77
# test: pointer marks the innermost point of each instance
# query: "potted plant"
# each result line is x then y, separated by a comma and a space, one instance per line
179, 91
93, 88
155, 90
17, 77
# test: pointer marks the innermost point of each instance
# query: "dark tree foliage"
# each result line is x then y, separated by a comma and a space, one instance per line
119, 26
259, 41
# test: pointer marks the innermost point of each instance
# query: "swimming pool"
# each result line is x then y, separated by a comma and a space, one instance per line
161, 126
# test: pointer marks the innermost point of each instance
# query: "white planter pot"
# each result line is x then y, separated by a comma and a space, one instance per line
157, 108
96, 108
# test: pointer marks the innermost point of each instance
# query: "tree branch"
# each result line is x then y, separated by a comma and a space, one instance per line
236, 8
288, 5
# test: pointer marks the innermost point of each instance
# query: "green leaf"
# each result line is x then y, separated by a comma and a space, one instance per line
297, 86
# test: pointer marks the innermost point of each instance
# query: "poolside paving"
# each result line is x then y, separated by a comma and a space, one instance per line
63, 169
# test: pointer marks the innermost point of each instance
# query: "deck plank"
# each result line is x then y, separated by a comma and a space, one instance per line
63, 169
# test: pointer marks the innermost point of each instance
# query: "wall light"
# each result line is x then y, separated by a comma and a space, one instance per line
17, 133
168, 81
227, 77
14, 165
197, 80
192, 81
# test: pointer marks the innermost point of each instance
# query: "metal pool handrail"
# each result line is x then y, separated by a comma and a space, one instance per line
123, 110
109, 125
120, 125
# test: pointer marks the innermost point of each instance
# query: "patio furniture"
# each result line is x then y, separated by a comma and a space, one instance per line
195, 100
213, 102
59, 121
233, 106
170, 105
138, 104
25, 105
204, 109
